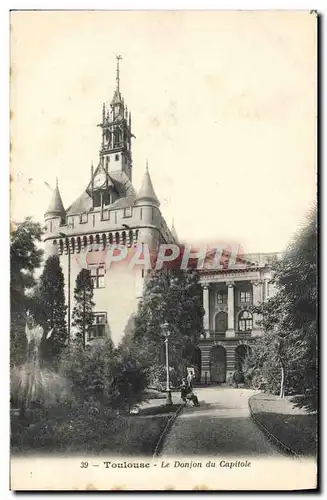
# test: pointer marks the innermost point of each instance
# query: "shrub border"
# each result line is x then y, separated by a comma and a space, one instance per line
286, 449
167, 428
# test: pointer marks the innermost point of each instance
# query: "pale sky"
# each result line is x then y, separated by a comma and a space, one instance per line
223, 106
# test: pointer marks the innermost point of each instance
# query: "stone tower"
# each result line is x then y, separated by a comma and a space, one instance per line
109, 212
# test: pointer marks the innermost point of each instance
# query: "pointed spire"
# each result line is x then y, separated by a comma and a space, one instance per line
56, 206
117, 71
117, 99
146, 193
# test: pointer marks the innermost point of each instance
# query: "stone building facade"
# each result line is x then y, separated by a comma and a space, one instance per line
109, 211
229, 326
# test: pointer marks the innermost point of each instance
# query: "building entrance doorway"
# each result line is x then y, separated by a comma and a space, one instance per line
218, 364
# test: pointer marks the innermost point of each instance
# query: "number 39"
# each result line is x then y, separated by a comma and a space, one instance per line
84, 465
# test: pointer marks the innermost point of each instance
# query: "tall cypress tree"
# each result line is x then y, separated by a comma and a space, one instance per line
51, 309
83, 308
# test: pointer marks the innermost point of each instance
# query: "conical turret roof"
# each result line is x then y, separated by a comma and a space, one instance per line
146, 192
56, 206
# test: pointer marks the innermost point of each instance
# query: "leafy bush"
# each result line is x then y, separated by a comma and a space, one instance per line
90, 371
101, 374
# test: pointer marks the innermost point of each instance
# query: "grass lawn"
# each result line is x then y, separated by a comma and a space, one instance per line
294, 427
81, 431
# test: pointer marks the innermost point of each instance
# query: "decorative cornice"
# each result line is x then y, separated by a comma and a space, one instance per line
222, 277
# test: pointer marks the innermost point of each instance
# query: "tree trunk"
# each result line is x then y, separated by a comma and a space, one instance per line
84, 320
282, 382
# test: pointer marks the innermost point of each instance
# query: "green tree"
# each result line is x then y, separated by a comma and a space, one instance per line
83, 308
130, 380
268, 365
297, 279
90, 370
25, 257
290, 321
50, 309
103, 375
171, 296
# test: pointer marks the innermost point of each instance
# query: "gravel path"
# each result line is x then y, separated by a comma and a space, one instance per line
220, 426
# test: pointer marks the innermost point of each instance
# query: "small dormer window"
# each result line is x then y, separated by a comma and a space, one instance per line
97, 199
84, 218
106, 198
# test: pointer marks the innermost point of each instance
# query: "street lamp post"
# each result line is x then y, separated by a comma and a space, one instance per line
166, 334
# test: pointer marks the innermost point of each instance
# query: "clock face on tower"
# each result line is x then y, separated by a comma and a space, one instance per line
99, 179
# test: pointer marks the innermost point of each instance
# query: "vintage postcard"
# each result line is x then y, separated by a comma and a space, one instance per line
163, 250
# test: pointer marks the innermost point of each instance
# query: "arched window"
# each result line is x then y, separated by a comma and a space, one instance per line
124, 237
117, 238
104, 240
61, 246
245, 321
84, 241
97, 241
130, 237
79, 244
110, 239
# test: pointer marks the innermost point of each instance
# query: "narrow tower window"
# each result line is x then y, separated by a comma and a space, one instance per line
97, 276
99, 324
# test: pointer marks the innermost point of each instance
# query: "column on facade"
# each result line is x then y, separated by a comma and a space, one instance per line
258, 296
231, 309
205, 291
266, 290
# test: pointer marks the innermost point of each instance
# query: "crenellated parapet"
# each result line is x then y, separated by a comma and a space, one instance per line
96, 241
